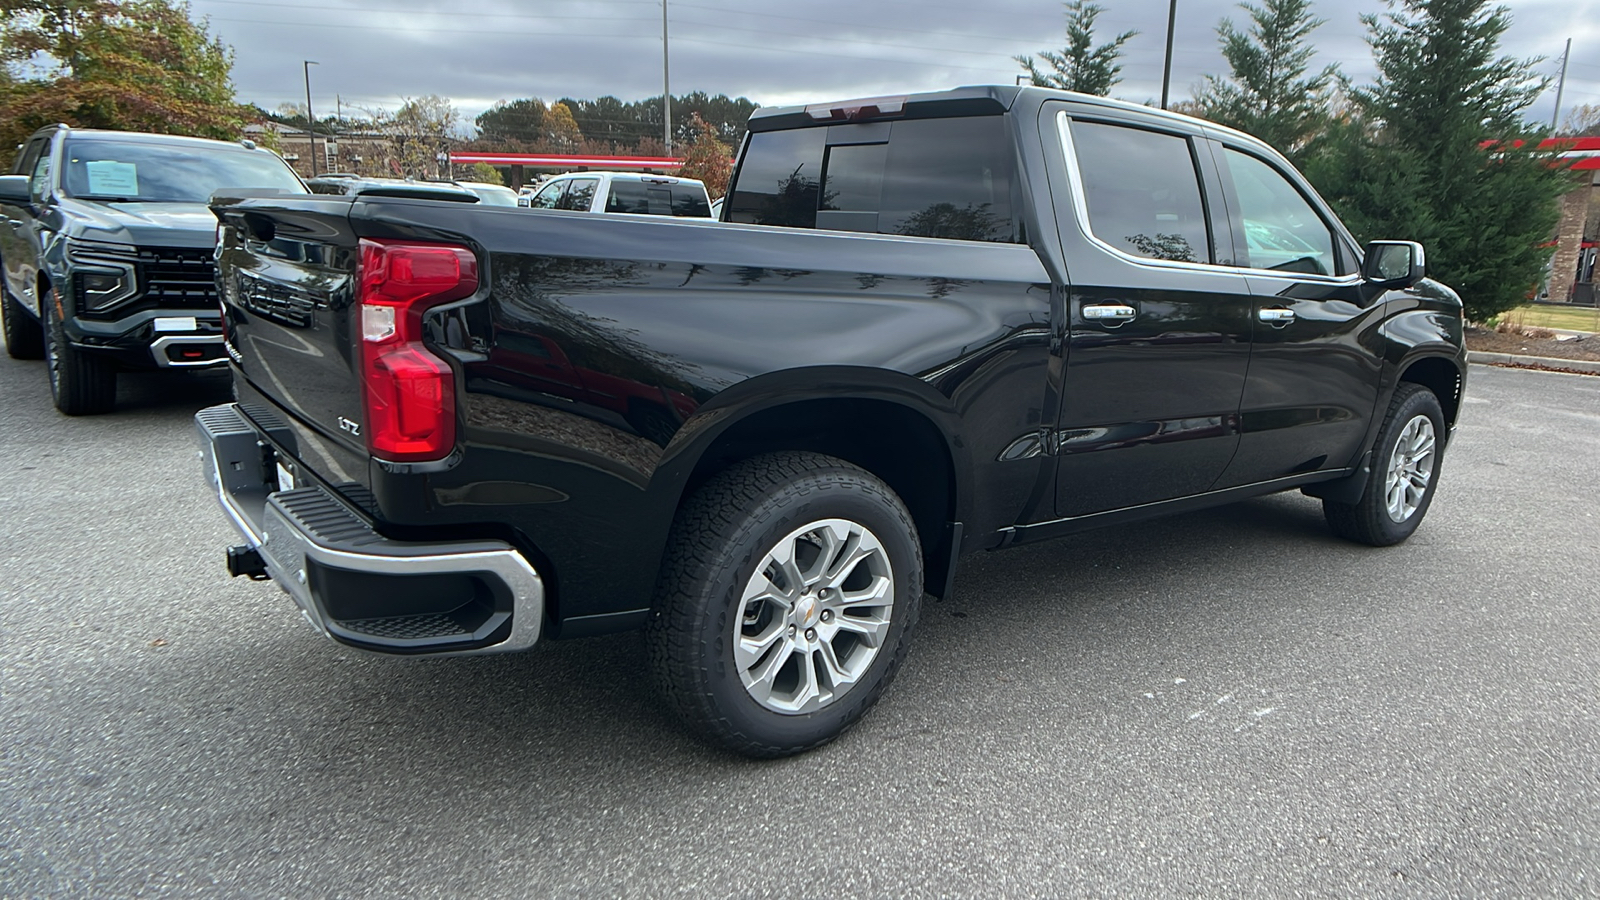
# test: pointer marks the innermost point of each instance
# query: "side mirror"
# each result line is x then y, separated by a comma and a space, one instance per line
14, 190
1394, 264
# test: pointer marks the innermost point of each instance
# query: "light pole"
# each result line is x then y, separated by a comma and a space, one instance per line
311, 120
1561, 86
666, 82
1166, 73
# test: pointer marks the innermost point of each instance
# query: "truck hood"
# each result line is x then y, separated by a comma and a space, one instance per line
144, 224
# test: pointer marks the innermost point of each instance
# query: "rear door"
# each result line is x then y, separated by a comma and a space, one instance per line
1316, 364
1159, 320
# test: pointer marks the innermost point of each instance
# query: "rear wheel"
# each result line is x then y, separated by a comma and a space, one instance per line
1405, 472
786, 602
81, 384
24, 338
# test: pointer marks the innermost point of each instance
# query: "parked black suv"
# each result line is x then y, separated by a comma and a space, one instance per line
107, 248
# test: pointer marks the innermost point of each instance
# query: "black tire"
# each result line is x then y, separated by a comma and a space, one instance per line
719, 538
23, 334
1368, 520
81, 384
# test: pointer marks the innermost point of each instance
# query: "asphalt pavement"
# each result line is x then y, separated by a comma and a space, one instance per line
1228, 703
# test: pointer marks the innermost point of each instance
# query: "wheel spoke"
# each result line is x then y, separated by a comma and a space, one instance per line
758, 681
809, 689
771, 593
838, 676
752, 647
874, 594
855, 550
870, 628
828, 550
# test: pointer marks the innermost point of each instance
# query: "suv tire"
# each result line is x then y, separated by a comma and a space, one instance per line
24, 337
1405, 473
767, 664
81, 384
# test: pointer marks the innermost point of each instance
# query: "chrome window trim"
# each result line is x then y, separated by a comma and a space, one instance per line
1080, 209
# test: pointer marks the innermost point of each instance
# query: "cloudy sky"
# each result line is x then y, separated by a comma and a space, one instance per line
374, 52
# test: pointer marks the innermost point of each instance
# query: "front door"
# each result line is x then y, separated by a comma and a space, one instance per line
1316, 366
1159, 321
15, 252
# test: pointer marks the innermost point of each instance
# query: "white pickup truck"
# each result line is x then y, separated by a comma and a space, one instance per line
622, 192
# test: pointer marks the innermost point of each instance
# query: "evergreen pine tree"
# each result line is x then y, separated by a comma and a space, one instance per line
1269, 93
1080, 66
1412, 160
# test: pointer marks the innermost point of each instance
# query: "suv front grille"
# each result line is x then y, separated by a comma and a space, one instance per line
178, 277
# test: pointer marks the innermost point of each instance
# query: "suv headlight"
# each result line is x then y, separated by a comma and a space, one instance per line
103, 274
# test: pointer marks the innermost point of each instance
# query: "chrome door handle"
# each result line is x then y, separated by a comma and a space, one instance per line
1102, 312
1275, 316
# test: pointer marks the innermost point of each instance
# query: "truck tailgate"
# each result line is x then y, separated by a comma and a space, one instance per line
286, 272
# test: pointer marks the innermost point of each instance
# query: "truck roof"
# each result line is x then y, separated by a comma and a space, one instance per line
969, 100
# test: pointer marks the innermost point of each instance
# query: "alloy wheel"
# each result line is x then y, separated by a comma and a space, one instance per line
1410, 469
813, 616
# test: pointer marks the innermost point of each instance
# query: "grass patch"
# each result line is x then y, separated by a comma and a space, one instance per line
1581, 318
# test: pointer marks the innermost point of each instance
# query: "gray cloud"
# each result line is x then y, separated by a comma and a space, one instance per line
374, 52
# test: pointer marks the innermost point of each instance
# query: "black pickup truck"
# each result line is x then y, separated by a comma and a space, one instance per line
927, 326
107, 249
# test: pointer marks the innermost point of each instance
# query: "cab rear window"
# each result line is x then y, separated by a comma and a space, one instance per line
657, 199
940, 178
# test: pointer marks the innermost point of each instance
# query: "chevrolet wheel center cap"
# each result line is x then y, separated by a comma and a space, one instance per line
805, 612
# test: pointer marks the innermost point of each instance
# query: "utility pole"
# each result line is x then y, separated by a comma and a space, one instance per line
1166, 72
1561, 86
311, 120
666, 82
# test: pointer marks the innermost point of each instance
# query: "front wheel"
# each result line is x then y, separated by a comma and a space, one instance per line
23, 336
1405, 473
81, 384
786, 602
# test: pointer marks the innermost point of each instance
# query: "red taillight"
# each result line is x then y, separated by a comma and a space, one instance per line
410, 393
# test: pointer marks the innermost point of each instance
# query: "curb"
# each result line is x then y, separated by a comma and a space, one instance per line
1485, 358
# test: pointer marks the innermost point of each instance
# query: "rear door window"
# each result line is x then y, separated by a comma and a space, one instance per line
1142, 191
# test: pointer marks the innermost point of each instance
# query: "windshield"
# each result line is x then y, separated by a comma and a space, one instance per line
168, 173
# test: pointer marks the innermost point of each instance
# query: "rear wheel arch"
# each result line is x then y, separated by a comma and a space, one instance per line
900, 444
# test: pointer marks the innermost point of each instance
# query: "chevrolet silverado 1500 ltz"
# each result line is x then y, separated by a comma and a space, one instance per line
927, 326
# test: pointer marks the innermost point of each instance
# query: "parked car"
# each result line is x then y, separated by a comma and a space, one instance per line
624, 192
107, 248
490, 194
932, 325
354, 185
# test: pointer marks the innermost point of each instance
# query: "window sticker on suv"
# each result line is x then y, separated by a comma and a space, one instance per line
108, 177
